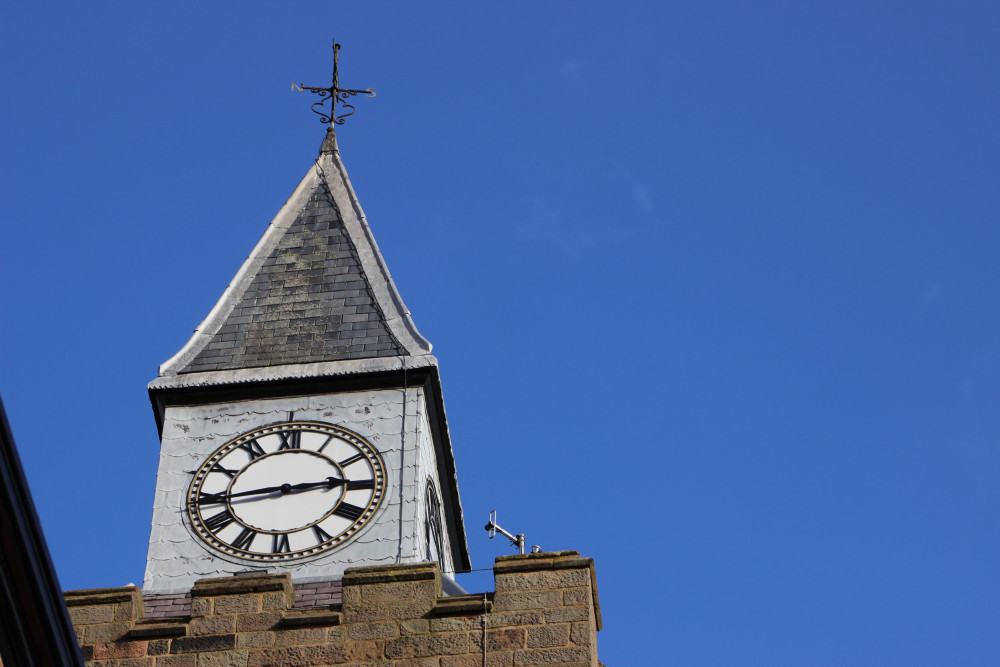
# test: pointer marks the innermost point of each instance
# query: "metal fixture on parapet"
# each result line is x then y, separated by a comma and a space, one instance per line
516, 540
336, 93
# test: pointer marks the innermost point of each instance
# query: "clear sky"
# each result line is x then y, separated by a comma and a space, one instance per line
714, 286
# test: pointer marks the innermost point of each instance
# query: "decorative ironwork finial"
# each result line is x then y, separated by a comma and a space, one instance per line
336, 93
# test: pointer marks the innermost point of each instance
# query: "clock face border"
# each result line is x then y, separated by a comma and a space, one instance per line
197, 519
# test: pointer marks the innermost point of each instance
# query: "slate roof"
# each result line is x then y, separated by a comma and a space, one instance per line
315, 290
310, 302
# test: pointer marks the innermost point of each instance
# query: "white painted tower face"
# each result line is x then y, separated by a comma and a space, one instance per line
302, 426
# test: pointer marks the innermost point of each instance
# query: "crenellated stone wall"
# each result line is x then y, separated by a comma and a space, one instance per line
545, 611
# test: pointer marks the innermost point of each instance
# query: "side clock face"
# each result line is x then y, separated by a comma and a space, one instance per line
432, 523
286, 491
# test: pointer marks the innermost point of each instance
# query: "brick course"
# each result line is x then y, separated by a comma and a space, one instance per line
545, 612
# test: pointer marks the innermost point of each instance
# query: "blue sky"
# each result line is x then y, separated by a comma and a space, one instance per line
713, 286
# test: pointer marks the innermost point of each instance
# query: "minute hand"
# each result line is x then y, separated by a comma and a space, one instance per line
329, 482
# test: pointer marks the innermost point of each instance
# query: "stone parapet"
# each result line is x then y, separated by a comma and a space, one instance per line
544, 612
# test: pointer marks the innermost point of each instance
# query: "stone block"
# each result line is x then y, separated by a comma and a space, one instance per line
363, 651
515, 618
106, 632
158, 647
201, 607
403, 590
552, 656
237, 604
527, 600
456, 623
501, 659
407, 610
545, 636
272, 601
375, 630
91, 615
521, 581
200, 644
113, 650
576, 596
567, 614
254, 639
422, 646
212, 625
224, 659
582, 634
300, 637
418, 626
135, 662
338, 634
255, 622
298, 656
177, 661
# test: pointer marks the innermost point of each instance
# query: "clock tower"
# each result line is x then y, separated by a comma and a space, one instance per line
302, 426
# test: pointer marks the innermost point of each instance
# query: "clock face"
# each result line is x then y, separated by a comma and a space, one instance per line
432, 524
286, 491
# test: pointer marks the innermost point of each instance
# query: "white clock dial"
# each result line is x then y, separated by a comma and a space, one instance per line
286, 491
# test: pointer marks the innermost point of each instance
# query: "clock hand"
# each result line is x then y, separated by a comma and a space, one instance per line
329, 482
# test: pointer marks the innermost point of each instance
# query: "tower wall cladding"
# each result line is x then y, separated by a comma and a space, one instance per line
544, 611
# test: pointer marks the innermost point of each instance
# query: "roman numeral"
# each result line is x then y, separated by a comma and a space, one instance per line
244, 539
211, 498
353, 459
321, 535
219, 521
290, 440
279, 544
361, 484
326, 442
349, 511
218, 468
253, 449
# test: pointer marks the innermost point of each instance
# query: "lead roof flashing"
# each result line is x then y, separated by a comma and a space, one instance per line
314, 290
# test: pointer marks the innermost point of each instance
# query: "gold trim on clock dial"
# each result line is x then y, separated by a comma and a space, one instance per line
286, 491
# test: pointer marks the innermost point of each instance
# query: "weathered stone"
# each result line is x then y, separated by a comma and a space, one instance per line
363, 651
576, 596
119, 650
422, 646
545, 636
307, 618
264, 620
403, 610
499, 620
91, 615
551, 656
417, 626
201, 606
199, 644
338, 634
212, 625
581, 634
177, 661
520, 581
455, 624
158, 647
270, 601
377, 630
527, 600
300, 637
254, 639
298, 656
502, 659
127, 611
567, 614
157, 629
224, 659
403, 590
237, 604
106, 632
135, 662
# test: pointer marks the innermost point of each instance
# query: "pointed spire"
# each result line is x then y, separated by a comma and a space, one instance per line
315, 290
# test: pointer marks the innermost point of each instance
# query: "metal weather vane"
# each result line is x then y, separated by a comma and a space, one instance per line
336, 93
